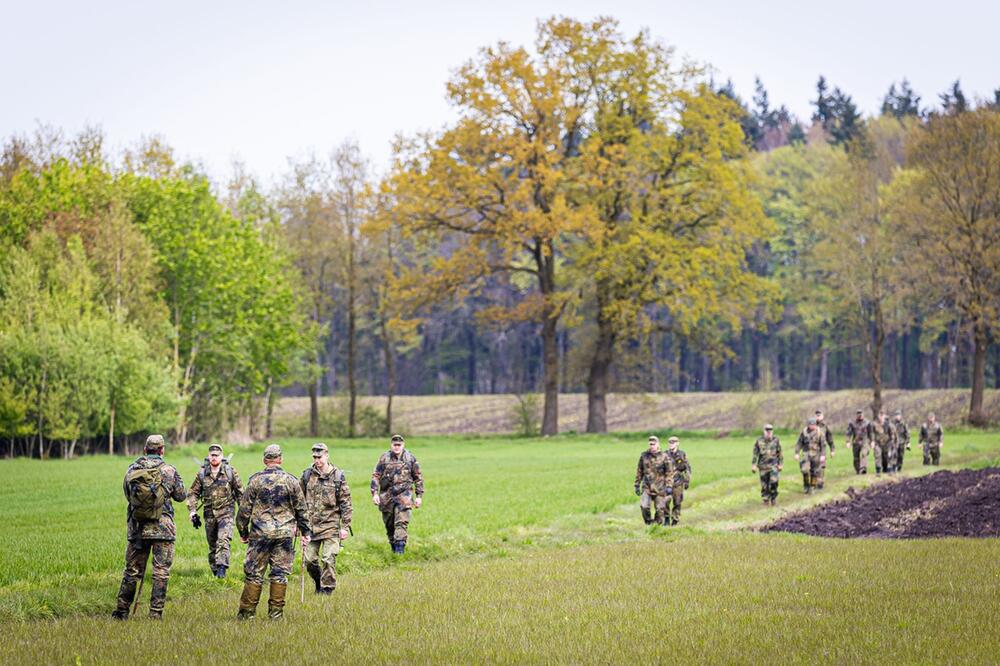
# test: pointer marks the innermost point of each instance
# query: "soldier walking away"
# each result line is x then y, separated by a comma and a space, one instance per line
271, 511
149, 485
810, 451
397, 487
859, 434
884, 435
218, 488
902, 439
932, 438
652, 476
678, 480
827, 435
767, 459
328, 505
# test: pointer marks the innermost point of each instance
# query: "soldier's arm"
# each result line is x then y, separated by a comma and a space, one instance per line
346, 508
237, 488
923, 435
638, 473
194, 494
829, 439
177, 491
756, 453
777, 446
243, 515
418, 479
298, 506
687, 469
800, 443
377, 475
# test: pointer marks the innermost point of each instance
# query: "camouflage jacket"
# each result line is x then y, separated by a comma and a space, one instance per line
883, 433
931, 434
396, 477
902, 433
164, 529
767, 453
859, 432
328, 502
812, 443
272, 506
654, 471
681, 468
827, 434
218, 494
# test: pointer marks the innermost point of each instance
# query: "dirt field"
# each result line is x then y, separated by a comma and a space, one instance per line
964, 503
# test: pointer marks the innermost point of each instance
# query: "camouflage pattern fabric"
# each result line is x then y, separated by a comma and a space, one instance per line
321, 562
272, 506
216, 493
263, 552
328, 502
827, 436
859, 433
653, 472
397, 522
136, 555
219, 532
674, 501
679, 478
396, 478
767, 457
884, 436
902, 442
810, 447
931, 437
164, 529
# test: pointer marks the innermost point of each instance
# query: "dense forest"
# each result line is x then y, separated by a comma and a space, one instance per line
600, 216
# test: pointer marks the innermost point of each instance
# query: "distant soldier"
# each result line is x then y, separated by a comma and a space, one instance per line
652, 481
218, 488
810, 451
395, 481
902, 438
679, 479
328, 504
271, 511
884, 436
859, 435
827, 436
149, 485
767, 460
932, 438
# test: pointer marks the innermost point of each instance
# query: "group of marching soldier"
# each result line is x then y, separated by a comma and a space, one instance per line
275, 508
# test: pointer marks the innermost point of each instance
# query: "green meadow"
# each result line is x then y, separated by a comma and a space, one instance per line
525, 550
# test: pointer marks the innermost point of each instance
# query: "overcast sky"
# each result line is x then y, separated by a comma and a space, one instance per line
262, 81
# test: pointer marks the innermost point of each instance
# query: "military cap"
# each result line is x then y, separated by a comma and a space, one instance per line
654, 438
397, 438
320, 447
812, 421
215, 447
154, 441
859, 411
899, 412
768, 426
818, 412
672, 440
272, 452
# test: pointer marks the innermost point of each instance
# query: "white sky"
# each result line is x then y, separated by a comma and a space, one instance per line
262, 81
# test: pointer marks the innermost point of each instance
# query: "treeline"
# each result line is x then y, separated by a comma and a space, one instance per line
601, 216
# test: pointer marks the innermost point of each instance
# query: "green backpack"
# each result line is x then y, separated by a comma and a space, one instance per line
146, 494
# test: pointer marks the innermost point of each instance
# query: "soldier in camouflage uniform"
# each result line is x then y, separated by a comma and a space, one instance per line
271, 511
810, 451
328, 505
884, 436
932, 438
150, 536
767, 459
859, 434
219, 488
652, 476
395, 481
678, 479
902, 438
827, 435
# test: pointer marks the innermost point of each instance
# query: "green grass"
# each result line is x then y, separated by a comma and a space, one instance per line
526, 549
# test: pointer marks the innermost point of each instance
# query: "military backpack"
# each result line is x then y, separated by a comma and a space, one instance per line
146, 494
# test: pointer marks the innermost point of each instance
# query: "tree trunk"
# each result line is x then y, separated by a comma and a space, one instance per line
550, 359
876, 360
390, 369
269, 419
470, 338
977, 416
597, 380
111, 432
824, 368
314, 408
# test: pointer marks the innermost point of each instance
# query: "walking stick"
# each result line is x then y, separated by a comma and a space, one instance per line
302, 576
142, 579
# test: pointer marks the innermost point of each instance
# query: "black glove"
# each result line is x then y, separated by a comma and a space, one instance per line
196, 521
637, 491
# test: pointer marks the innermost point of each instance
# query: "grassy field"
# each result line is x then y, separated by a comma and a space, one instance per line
631, 412
525, 550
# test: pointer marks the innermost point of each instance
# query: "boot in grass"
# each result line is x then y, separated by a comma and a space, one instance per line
276, 601
806, 484
126, 595
248, 601
157, 599
647, 517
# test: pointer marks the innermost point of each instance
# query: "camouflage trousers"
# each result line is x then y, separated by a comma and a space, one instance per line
321, 562
769, 484
396, 520
860, 452
219, 532
650, 498
136, 555
810, 466
885, 458
900, 452
674, 501
278, 554
932, 454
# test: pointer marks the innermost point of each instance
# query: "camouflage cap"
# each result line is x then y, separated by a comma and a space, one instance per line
859, 411
672, 440
812, 422
654, 438
768, 426
397, 438
215, 447
899, 412
154, 441
320, 447
818, 412
272, 452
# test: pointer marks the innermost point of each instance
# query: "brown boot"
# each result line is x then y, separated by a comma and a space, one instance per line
249, 600
276, 601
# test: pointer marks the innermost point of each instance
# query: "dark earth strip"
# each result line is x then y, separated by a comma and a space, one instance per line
964, 503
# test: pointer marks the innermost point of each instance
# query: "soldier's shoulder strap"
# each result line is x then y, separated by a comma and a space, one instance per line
307, 474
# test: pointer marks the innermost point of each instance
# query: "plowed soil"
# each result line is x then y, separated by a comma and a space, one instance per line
964, 503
